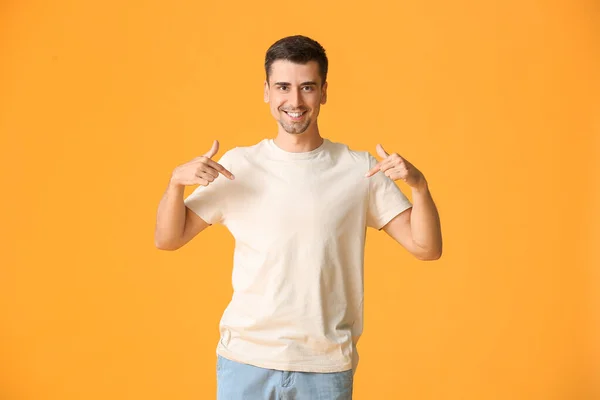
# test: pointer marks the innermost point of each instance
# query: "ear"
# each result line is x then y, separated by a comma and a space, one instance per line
266, 92
324, 93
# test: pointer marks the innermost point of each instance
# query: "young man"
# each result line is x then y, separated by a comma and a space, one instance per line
298, 207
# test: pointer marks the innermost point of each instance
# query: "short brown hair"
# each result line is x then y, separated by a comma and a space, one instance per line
298, 49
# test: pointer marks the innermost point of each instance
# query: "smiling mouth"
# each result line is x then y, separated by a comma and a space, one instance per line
295, 115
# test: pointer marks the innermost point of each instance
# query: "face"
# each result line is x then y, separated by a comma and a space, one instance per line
295, 95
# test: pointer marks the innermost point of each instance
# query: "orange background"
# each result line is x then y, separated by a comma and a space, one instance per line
496, 102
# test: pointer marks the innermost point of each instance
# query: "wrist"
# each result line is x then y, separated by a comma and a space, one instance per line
174, 184
421, 187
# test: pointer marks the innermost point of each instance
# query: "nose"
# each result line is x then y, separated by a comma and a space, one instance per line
295, 98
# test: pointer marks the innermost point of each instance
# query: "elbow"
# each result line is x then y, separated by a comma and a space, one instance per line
433, 257
426, 253
165, 245
430, 255
165, 248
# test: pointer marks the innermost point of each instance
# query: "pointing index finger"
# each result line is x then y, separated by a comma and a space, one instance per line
373, 170
220, 168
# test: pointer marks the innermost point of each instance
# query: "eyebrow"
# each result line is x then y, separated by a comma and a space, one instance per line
302, 84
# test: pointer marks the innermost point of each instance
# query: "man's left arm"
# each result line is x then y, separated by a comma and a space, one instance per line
418, 228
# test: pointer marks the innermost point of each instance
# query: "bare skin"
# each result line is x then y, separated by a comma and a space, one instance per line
296, 88
175, 223
201, 170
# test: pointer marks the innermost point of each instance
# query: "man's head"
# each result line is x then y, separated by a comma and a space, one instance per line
297, 49
296, 81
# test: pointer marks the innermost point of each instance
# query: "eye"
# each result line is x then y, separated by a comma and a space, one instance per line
283, 88
309, 88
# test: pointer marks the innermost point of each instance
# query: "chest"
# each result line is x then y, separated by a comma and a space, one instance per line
301, 200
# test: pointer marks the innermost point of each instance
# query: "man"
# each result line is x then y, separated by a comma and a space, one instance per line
298, 207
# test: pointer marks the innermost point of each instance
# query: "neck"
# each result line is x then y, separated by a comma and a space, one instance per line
299, 143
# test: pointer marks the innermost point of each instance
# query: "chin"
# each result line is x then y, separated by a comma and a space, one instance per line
293, 131
296, 132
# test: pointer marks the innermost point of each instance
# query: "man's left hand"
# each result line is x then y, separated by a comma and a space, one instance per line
396, 167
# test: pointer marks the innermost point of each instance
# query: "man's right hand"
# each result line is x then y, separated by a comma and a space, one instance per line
201, 170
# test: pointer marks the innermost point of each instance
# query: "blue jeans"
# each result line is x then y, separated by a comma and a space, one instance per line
237, 381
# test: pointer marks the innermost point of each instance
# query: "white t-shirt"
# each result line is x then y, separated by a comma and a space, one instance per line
299, 221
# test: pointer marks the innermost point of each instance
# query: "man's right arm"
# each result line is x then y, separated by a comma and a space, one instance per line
175, 223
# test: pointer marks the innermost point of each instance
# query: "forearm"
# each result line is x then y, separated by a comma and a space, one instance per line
425, 221
170, 219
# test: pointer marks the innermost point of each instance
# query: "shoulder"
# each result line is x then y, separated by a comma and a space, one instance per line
237, 153
247, 150
342, 150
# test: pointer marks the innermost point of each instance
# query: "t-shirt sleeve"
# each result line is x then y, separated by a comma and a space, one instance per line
210, 202
386, 200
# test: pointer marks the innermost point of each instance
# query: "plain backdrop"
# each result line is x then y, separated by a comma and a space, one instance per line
495, 102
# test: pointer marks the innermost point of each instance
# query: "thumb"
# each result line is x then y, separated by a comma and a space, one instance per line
382, 153
213, 150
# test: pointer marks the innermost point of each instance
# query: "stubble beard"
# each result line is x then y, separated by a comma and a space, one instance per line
295, 128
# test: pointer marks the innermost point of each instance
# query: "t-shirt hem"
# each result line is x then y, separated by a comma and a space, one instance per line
286, 366
387, 217
200, 213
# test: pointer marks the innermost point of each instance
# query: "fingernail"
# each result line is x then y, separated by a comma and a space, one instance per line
232, 177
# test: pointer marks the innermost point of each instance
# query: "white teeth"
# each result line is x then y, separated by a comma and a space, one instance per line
294, 115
